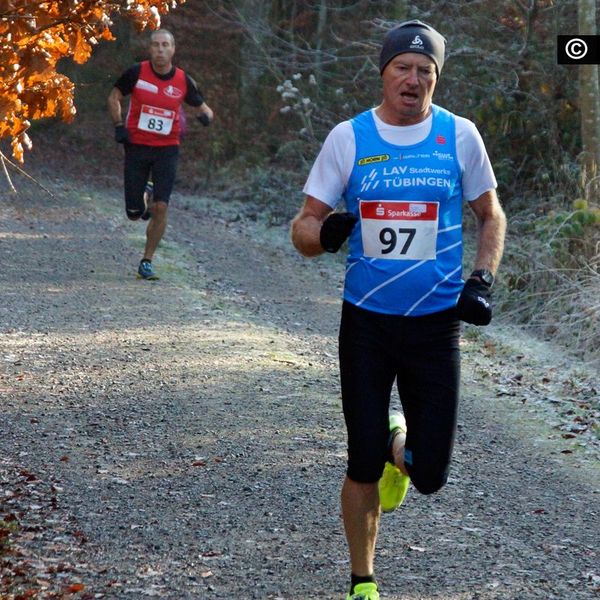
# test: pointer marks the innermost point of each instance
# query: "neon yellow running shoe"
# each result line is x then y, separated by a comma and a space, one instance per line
393, 484
364, 591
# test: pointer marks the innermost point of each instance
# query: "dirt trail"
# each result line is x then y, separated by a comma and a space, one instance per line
184, 438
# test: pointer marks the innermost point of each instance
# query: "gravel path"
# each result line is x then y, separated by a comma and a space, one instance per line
184, 439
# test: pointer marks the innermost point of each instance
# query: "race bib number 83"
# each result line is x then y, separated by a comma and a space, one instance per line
399, 230
156, 120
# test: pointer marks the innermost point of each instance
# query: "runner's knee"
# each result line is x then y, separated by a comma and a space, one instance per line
364, 475
365, 465
133, 214
159, 208
428, 481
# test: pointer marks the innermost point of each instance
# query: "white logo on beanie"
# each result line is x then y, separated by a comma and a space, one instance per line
417, 41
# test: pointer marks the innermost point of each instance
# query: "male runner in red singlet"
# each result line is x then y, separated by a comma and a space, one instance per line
151, 134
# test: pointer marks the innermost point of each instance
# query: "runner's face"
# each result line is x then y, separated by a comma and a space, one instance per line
162, 50
409, 80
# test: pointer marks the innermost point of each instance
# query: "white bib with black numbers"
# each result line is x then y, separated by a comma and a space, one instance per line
156, 120
399, 230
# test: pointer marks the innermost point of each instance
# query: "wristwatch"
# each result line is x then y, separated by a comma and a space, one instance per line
487, 277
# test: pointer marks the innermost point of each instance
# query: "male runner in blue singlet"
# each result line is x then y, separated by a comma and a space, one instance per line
403, 170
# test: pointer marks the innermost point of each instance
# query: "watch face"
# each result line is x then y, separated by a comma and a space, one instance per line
485, 276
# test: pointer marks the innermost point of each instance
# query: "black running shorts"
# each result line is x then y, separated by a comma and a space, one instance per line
142, 163
420, 354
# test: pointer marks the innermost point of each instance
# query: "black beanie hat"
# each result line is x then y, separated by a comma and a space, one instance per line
413, 36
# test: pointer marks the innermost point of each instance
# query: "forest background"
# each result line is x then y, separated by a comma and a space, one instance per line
280, 74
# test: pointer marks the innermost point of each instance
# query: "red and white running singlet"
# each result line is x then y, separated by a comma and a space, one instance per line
153, 118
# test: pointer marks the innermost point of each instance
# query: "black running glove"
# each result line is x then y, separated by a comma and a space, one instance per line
335, 229
121, 134
475, 303
204, 119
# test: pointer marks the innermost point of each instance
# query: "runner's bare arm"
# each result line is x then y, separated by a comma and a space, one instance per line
114, 106
306, 227
492, 228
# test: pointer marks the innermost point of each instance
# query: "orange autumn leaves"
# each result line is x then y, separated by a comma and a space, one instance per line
35, 35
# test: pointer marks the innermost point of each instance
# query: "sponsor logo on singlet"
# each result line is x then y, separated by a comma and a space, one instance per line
369, 160
403, 176
443, 155
173, 92
146, 85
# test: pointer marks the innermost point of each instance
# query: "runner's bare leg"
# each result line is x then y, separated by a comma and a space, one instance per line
156, 228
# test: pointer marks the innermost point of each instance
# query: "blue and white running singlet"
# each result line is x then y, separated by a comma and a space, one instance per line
405, 253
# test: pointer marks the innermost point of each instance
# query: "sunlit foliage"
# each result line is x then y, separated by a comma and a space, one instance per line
35, 36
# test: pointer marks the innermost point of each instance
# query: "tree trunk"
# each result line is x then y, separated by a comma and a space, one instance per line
321, 25
589, 96
253, 18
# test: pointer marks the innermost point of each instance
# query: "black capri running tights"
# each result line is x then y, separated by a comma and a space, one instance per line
141, 163
422, 355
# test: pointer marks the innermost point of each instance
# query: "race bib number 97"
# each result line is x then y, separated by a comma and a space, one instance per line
399, 230
156, 120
